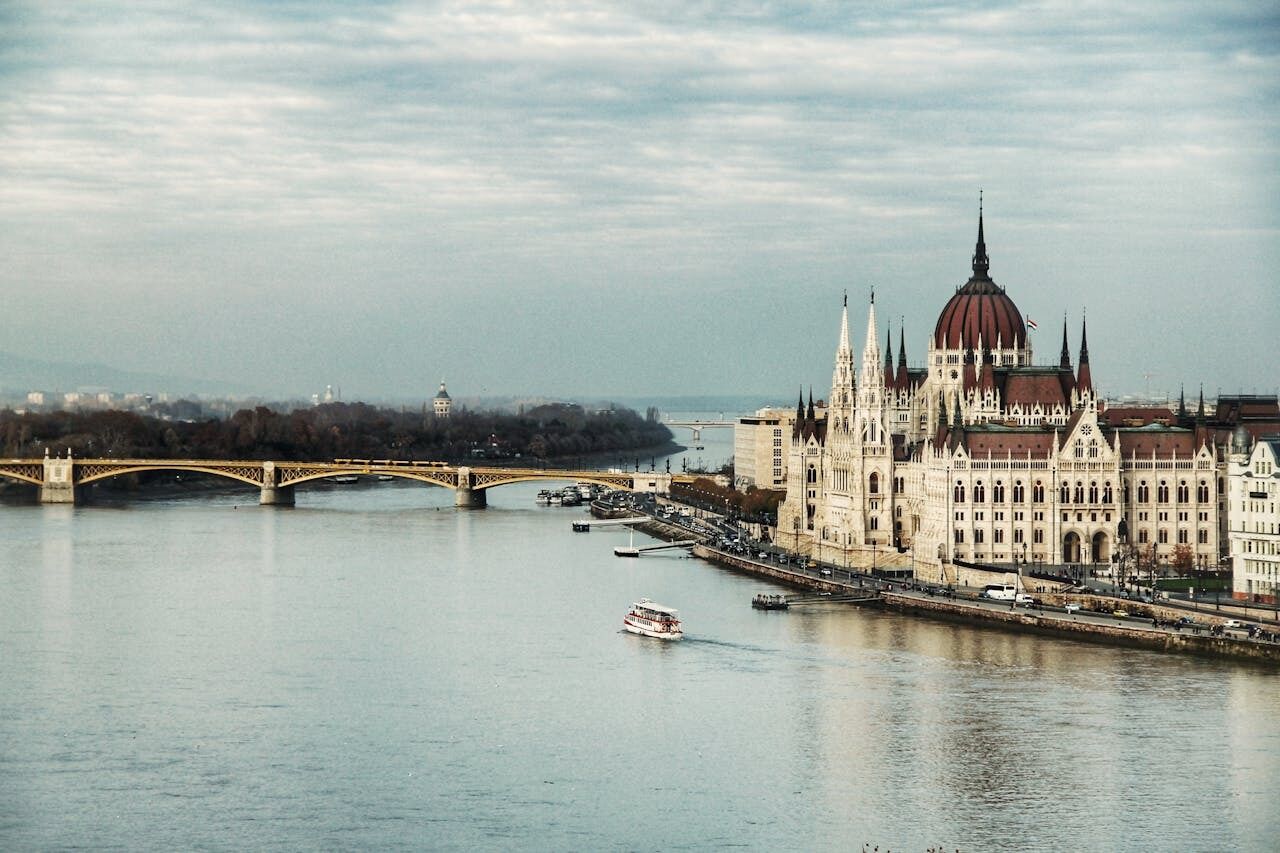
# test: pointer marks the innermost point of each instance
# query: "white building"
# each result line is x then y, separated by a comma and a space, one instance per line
760, 445
441, 403
984, 458
1253, 492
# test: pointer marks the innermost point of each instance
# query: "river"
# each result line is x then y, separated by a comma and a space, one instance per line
374, 669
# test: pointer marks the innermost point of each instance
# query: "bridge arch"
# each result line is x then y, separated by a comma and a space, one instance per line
94, 473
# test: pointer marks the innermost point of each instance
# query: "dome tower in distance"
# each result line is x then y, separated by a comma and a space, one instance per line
441, 403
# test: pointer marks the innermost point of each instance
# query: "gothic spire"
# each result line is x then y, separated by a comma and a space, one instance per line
1200, 408
1064, 361
1182, 402
1084, 378
903, 379
888, 357
980, 262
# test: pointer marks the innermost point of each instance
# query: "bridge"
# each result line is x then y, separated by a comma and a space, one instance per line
699, 426
62, 479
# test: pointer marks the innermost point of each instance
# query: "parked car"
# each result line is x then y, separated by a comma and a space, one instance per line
1120, 614
1234, 623
1071, 608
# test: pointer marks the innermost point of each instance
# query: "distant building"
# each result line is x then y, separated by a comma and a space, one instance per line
760, 450
1253, 495
35, 398
441, 403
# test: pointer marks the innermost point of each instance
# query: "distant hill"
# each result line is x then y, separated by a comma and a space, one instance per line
18, 375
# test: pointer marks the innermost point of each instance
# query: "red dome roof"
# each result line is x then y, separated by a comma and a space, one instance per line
980, 309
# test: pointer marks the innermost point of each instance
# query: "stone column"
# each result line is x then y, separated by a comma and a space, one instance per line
466, 497
59, 480
273, 495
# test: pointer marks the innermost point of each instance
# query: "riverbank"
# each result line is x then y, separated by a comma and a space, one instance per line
1152, 627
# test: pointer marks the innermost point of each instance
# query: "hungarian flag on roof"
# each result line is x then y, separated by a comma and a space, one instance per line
1031, 324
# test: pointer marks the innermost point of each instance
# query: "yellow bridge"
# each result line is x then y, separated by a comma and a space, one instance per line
61, 479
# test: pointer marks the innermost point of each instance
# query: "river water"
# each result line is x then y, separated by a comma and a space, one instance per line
374, 669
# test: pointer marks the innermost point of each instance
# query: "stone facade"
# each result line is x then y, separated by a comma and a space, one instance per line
982, 456
1253, 495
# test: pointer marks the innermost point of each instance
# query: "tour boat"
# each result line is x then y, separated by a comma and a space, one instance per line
345, 479
770, 602
653, 620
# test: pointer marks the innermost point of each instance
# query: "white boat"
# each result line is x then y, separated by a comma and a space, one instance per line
653, 620
343, 478
543, 498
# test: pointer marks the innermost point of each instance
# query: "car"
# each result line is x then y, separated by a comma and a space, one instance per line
1234, 623
1071, 608
1120, 614
825, 572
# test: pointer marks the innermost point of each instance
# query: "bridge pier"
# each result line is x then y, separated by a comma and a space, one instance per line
272, 494
276, 496
470, 499
466, 496
59, 481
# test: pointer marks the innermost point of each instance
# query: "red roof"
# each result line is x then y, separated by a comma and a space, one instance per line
1161, 441
1028, 387
980, 310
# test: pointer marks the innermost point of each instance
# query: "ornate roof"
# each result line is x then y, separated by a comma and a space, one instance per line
980, 314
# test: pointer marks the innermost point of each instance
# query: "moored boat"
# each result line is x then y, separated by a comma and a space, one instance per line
770, 602
345, 479
653, 620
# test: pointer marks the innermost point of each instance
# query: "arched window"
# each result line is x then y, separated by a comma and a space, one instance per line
958, 496
873, 483
1079, 498
1184, 492
1064, 493
979, 492
1106, 492
1019, 493
1202, 492
1037, 492
1079, 448
1162, 492
997, 492
1126, 493
1093, 492
1144, 493
812, 475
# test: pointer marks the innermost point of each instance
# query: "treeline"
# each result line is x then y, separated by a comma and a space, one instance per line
707, 493
334, 431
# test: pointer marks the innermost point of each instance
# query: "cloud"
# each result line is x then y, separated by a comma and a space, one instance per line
411, 154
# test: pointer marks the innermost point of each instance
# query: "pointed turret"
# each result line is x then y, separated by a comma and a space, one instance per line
1084, 379
871, 376
842, 375
981, 264
987, 380
1064, 361
888, 358
970, 371
1200, 407
903, 381
1182, 403
798, 427
811, 416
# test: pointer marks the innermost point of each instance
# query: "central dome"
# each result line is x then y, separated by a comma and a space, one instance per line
980, 312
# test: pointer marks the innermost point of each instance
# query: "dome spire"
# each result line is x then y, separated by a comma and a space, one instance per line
981, 264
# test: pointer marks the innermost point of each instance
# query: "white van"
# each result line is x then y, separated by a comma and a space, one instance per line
998, 592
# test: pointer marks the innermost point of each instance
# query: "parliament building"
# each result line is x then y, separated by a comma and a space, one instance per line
982, 457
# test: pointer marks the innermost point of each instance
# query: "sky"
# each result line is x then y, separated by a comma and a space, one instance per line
647, 198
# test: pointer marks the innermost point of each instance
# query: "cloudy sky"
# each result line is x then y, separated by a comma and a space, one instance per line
632, 198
